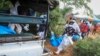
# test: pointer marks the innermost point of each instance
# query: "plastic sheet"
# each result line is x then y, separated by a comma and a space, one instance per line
55, 41
6, 30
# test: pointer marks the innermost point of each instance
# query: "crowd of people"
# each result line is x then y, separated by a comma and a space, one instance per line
74, 32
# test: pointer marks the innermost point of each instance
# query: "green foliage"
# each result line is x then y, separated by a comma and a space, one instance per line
80, 4
55, 15
66, 10
87, 47
57, 19
5, 4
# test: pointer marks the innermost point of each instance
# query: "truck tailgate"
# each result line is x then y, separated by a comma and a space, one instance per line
28, 48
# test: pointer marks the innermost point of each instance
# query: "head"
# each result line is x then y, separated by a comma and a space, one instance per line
84, 21
71, 18
72, 22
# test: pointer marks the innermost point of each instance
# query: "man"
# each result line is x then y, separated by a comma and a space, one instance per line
14, 11
71, 29
84, 28
73, 26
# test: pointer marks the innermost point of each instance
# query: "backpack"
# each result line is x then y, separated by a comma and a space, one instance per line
55, 41
69, 30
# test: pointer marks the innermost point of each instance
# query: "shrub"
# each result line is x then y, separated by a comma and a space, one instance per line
87, 47
5, 4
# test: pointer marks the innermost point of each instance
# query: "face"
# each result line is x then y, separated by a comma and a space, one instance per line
71, 23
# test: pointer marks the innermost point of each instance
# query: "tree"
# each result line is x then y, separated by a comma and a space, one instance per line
80, 4
54, 17
5, 4
57, 13
66, 10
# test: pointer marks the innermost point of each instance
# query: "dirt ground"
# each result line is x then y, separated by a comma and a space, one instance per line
68, 51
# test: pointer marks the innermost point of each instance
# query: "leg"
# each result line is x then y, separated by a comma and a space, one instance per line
67, 41
82, 35
60, 47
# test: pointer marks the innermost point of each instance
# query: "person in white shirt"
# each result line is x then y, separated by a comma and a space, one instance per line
74, 25
14, 11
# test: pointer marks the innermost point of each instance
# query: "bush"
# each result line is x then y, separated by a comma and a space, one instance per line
87, 47
5, 4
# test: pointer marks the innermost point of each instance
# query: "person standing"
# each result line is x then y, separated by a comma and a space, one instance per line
84, 28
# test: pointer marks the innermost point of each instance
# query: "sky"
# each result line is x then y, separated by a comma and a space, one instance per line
94, 5
61, 5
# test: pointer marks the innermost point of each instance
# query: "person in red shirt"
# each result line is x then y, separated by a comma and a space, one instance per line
84, 29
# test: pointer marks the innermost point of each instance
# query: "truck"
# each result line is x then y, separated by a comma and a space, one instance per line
25, 44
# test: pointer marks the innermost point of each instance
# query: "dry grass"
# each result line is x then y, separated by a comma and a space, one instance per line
93, 36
